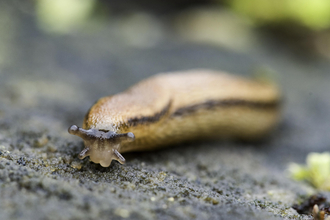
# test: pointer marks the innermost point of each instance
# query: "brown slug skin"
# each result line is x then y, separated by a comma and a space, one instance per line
175, 107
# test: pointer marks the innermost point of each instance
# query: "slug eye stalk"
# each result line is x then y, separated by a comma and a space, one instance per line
101, 146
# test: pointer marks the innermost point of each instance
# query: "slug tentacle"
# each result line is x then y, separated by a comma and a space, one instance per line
84, 153
101, 146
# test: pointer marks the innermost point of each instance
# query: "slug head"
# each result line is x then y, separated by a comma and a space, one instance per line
101, 146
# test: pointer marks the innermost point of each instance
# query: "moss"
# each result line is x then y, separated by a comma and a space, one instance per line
316, 171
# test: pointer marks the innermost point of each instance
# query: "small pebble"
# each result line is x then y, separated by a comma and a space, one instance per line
40, 142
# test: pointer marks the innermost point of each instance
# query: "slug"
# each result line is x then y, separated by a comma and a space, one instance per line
170, 108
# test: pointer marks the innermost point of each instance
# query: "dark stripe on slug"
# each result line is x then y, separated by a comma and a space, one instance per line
225, 103
149, 119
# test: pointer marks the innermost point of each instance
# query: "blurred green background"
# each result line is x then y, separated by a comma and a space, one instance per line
303, 25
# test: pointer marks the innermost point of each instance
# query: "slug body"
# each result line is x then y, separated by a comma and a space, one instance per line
175, 107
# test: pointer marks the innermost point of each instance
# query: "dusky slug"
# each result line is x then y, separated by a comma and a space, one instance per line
170, 108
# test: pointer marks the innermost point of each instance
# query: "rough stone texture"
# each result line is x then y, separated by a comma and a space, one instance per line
48, 83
